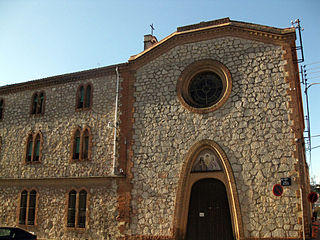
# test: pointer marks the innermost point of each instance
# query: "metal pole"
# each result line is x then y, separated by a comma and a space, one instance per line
304, 234
299, 28
114, 164
306, 87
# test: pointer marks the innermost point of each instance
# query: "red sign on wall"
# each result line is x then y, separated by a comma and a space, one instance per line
277, 190
313, 197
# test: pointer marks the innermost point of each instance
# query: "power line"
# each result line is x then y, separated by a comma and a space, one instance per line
315, 147
313, 72
312, 63
313, 77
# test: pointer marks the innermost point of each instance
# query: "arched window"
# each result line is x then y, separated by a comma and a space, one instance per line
40, 108
84, 97
81, 144
32, 207
23, 207
76, 145
80, 97
1, 108
72, 208
28, 204
29, 148
85, 144
82, 209
37, 105
34, 103
37, 142
77, 209
88, 96
33, 147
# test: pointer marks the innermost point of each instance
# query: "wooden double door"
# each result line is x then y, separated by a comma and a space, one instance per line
209, 214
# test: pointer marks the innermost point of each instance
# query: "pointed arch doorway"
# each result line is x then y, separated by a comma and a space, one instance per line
207, 196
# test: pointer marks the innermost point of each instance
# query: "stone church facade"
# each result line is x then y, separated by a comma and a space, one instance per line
207, 121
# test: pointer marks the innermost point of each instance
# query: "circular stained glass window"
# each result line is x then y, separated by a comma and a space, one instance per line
205, 89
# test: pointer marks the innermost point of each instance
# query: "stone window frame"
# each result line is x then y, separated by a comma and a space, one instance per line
81, 147
85, 106
27, 210
33, 136
76, 227
37, 109
200, 66
1, 108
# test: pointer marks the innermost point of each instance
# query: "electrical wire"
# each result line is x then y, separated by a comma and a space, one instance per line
312, 63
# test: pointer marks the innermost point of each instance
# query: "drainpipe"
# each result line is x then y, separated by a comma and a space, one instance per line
115, 127
303, 224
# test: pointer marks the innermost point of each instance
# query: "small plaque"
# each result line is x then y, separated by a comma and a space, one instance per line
286, 181
201, 214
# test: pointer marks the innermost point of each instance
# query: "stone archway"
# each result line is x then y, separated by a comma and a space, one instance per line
188, 178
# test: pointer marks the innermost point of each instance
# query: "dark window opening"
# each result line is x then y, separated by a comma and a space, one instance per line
37, 149
81, 97
33, 148
76, 147
82, 209
23, 207
41, 104
84, 96
27, 211
38, 103
86, 145
77, 205
35, 103
88, 96
29, 150
1, 108
32, 207
72, 208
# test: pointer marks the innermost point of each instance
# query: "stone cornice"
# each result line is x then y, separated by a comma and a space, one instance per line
57, 181
206, 31
62, 79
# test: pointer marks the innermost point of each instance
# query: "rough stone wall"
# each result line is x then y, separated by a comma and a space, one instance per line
51, 212
252, 127
57, 125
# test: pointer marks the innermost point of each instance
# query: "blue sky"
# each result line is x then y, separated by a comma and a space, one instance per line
45, 38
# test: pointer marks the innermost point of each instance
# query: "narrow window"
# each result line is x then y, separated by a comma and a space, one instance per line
76, 145
23, 207
72, 208
29, 148
32, 207
34, 103
88, 97
36, 155
40, 106
1, 108
85, 147
82, 209
81, 97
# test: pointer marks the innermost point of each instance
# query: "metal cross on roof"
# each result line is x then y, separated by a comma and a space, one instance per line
152, 28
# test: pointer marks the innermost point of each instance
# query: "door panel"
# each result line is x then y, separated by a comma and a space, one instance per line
209, 214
